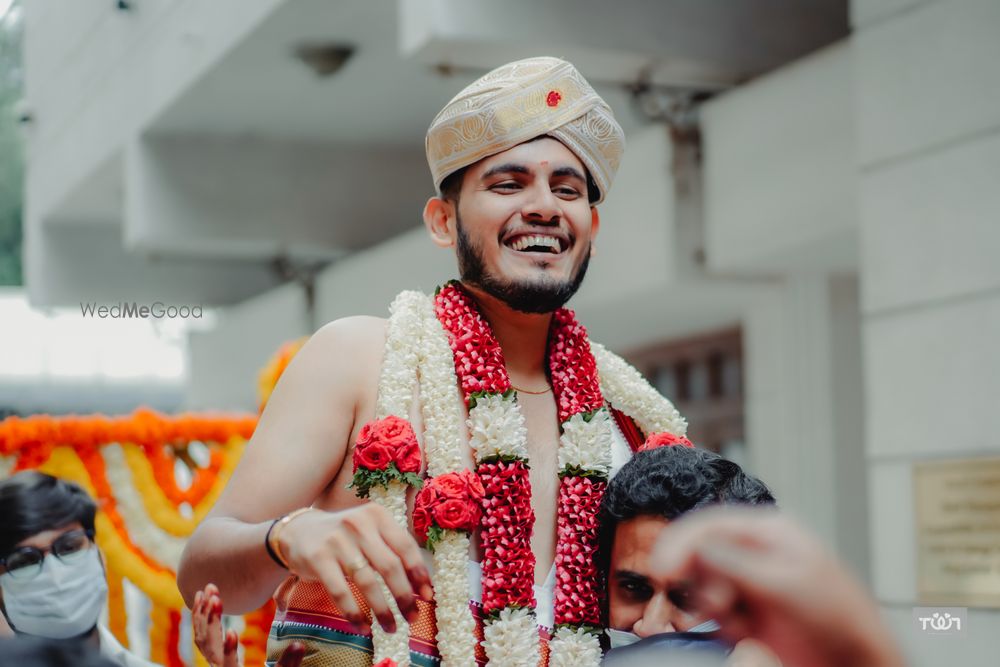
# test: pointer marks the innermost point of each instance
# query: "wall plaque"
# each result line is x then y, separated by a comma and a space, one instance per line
957, 514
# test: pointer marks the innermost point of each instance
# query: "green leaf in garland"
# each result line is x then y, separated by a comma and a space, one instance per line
434, 535
577, 471
504, 458
589, 629
413, 479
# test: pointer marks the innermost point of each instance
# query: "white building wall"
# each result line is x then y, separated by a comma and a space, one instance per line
927, 94
95, 78
780, 207
779, 170
225, 362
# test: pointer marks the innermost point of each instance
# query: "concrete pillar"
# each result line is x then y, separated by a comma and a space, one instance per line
803, 407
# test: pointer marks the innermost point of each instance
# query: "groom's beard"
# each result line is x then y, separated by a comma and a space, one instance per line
538, 296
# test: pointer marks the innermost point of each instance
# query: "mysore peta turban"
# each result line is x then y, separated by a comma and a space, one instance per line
518, 102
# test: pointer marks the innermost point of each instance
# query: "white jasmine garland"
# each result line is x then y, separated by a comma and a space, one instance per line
455, 625
163, 547
586, 445
440, 398
625, 388
496, 428
391, 645
397, 380
444, 416
573, 647
512, 639
399, 362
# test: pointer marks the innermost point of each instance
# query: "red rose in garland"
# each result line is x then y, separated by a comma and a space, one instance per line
664, 439
375, 456
455, 514
407, 456
452, 501
421, 521
386, 450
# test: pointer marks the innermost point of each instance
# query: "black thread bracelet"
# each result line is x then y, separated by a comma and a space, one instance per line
267, 544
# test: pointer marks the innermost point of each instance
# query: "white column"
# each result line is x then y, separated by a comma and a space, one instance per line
804, 416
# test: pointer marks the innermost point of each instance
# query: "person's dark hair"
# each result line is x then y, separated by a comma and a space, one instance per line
670, 481
32, 652
33, 502
451, 186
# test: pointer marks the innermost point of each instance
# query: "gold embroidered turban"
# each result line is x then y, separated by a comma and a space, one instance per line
520, 101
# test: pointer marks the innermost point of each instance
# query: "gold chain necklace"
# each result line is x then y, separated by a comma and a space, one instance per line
532, 393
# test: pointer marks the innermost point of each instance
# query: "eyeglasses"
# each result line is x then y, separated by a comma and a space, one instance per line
25, 563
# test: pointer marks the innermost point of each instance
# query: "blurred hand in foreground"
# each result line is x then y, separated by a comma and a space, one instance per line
762, 577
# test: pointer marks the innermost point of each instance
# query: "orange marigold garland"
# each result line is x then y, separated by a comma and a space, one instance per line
267, 380
71, 446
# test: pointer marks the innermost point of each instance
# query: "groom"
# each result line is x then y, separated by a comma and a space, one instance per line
520, 159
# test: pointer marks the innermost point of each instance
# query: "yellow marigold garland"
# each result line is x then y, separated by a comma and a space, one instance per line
117, 619
66, 447
268, 377
71, 448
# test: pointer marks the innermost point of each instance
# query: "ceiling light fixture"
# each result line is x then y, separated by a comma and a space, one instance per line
324, 59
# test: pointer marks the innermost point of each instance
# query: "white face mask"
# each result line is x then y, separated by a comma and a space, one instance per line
64, 600
619, 638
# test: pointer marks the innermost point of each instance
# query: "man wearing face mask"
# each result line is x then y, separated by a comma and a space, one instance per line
647, 614
52, 578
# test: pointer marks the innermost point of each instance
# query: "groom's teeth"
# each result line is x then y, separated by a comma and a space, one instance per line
525, 242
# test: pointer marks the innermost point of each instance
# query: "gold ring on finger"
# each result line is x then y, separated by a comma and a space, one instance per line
356, 566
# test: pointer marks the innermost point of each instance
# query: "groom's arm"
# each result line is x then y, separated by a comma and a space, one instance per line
299, 447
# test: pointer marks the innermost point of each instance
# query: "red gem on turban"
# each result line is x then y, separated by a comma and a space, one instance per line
553, 98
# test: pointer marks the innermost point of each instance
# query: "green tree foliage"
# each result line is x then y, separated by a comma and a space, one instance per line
11, 150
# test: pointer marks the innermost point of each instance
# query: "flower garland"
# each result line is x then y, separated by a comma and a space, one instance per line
444, 422
127, 465
451, 501
584, 465
267, 378
625, 388
499, 438
145, 534
162, 459
387, 455
664, 439
160, 508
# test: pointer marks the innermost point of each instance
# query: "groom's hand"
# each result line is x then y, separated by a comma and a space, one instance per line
357, 544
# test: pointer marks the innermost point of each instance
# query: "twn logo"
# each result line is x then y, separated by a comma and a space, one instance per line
940, 621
